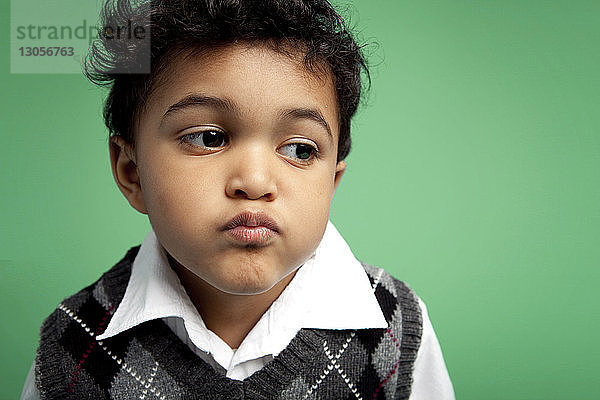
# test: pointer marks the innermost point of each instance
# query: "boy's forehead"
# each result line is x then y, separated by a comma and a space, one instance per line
249, 53
246, 73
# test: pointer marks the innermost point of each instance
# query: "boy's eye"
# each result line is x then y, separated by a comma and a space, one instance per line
208, 139
299, 151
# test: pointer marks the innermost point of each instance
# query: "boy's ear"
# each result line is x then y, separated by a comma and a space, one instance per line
124, 169
339, 171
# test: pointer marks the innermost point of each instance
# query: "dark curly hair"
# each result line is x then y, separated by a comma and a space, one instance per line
311, 26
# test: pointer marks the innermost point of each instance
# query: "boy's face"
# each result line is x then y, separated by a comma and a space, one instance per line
236, 165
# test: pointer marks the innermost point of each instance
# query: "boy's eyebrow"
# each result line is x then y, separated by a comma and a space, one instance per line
202, 100
193, 100
308, 113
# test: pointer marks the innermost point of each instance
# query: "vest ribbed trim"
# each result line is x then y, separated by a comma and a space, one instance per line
412, 329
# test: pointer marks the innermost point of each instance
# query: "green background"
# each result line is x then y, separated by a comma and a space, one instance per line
474, 177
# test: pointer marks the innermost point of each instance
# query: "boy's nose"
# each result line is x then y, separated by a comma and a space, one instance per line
252, 179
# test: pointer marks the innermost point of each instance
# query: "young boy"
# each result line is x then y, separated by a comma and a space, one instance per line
233, 145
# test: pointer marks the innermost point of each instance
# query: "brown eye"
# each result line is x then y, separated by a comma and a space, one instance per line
299, 151
208, 139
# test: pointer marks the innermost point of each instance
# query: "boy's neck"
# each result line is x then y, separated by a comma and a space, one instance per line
229, 316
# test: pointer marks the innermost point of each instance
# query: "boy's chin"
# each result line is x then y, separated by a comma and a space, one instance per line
237, 275
250, 285
248, 275
248, 280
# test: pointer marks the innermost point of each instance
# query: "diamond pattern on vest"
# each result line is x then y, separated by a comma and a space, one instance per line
150, 362
150, 382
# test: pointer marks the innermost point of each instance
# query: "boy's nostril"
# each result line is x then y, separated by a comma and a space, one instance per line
249, 195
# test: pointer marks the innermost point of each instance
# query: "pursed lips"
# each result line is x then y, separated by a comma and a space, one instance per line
252, 228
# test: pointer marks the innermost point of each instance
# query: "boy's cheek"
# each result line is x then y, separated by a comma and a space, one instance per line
181, 202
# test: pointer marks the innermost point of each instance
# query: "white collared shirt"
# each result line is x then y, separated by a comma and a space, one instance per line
154, 291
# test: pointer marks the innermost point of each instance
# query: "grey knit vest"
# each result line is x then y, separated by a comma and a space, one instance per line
150, 362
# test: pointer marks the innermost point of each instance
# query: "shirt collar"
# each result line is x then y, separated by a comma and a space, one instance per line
330, 291
153, 292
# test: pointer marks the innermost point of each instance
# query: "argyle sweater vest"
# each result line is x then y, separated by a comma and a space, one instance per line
150, 362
